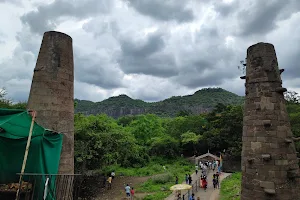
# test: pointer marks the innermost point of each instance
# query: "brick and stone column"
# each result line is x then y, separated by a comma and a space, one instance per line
269, 161
52, 92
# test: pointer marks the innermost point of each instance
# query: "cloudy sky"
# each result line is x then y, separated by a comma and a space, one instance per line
148, 49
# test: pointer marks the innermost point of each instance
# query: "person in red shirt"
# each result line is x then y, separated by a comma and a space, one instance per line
132, 193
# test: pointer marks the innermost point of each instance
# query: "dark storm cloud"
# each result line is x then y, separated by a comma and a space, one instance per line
226, 9
147, 56
98, 70
290, 63
209, 61
164, 10
99, 29
29, 42
46, 16
205, 73
286, 41
260, 17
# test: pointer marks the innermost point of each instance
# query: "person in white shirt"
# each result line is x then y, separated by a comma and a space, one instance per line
113, 174
127, 190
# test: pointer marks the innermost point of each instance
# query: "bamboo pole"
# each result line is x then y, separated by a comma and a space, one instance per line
26, 153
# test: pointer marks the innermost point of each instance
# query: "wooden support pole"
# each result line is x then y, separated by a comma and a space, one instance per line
33, 114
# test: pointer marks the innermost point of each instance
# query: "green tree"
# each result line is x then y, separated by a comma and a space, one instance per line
126, 120
294, 114
292, 97
190, 138
4, 102
7, 103
183, 113
225, 130
100, 141
164, 146
179, 125
146, 127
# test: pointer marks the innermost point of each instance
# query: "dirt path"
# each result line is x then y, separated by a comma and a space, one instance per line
215, 195
117, 191
210, 193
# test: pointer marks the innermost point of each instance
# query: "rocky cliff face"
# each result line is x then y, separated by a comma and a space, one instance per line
117, 112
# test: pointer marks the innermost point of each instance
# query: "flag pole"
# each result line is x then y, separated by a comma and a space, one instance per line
33, 114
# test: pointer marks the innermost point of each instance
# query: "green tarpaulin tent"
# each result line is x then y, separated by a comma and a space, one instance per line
44, 152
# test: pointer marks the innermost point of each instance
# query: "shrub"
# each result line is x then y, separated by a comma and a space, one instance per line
163, 178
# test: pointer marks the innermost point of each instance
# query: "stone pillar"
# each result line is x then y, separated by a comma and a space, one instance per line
269, 161
52, 92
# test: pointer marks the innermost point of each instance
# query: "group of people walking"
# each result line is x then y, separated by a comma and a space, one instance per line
205, 166
212, 165
188, 179
215, 181
129, 192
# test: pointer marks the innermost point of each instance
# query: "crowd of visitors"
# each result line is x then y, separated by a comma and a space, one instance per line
204, 168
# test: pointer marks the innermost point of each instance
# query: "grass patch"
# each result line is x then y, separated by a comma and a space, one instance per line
158, 185
155, 166
157, 196
231, 187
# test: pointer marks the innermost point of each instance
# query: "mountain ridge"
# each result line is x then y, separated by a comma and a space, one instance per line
201, 101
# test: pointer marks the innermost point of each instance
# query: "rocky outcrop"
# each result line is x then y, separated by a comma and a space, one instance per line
118, 111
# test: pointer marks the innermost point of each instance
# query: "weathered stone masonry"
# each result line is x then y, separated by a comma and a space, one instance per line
269, 160
52, 92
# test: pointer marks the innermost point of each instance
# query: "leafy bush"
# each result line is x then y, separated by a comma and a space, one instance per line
165, 146
162, 178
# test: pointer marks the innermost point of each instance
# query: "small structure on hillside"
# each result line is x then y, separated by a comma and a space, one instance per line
206, 157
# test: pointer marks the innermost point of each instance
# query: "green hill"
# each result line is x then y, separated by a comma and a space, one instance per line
201, 101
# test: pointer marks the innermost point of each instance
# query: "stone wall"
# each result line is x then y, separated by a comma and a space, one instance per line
52, 92
231, 164
269, 161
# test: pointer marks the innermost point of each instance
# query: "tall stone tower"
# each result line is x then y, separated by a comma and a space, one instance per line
52, 92
269, 160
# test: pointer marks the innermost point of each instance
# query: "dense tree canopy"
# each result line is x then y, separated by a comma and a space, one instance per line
130, 141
